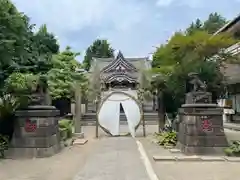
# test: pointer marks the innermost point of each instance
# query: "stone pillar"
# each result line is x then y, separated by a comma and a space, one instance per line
201, 129
78, 114
36, 133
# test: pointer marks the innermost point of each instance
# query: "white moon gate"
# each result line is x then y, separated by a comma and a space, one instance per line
109, 113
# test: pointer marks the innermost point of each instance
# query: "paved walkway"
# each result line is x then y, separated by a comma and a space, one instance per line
62, 166
115, 158
190, 170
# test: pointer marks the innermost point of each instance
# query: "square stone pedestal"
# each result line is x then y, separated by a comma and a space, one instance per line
201, 129
36, 133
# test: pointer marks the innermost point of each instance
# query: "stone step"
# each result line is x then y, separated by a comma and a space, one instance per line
122, 120
146, 107
232, 126
121, 114
93, 123
147, 117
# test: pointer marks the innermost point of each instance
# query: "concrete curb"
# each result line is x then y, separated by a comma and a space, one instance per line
232, 126
195, 159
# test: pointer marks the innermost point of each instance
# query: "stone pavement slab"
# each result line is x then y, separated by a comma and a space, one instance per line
115, 158
62, 166
189, 170
197, 170
80, 141
196, 158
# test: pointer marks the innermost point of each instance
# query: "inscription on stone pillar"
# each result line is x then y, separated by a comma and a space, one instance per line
30, 125
206, 124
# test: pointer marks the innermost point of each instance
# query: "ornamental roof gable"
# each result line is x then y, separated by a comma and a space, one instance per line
119, 64
119, 76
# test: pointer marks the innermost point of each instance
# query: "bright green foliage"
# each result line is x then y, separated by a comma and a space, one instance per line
233, 149
195, 26
17, 90
189, 53
62, 76
214, 22
99, 49
21, 83
167, 138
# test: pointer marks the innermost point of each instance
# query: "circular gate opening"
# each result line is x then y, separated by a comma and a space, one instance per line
109, 113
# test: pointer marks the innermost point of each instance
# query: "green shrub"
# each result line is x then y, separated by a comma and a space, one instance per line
167, 138
65, 128
233, 149
4, 141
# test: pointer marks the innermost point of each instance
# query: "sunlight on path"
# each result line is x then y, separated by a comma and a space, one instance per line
115, 158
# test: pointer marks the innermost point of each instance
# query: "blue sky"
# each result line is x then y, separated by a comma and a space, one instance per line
132, 26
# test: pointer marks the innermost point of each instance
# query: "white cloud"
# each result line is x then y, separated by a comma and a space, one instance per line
189, 3
73, 15
63, 16
133, 26
164, 2
194, 3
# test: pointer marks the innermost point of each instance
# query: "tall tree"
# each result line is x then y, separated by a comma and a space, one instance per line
99, 49
214, 22
195, 26
40, 48
13, 37
46, 41
21, 49
190, 53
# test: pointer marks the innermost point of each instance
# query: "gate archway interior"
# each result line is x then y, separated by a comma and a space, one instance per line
112, 106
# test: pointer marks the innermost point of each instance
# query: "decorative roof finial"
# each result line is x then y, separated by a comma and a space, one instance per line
120, 55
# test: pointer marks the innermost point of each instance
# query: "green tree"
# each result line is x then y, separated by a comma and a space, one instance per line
214, 22
189, 53
195, 26
46, 41
13, 37
99, 49
40, 48
21, 49
63, 75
